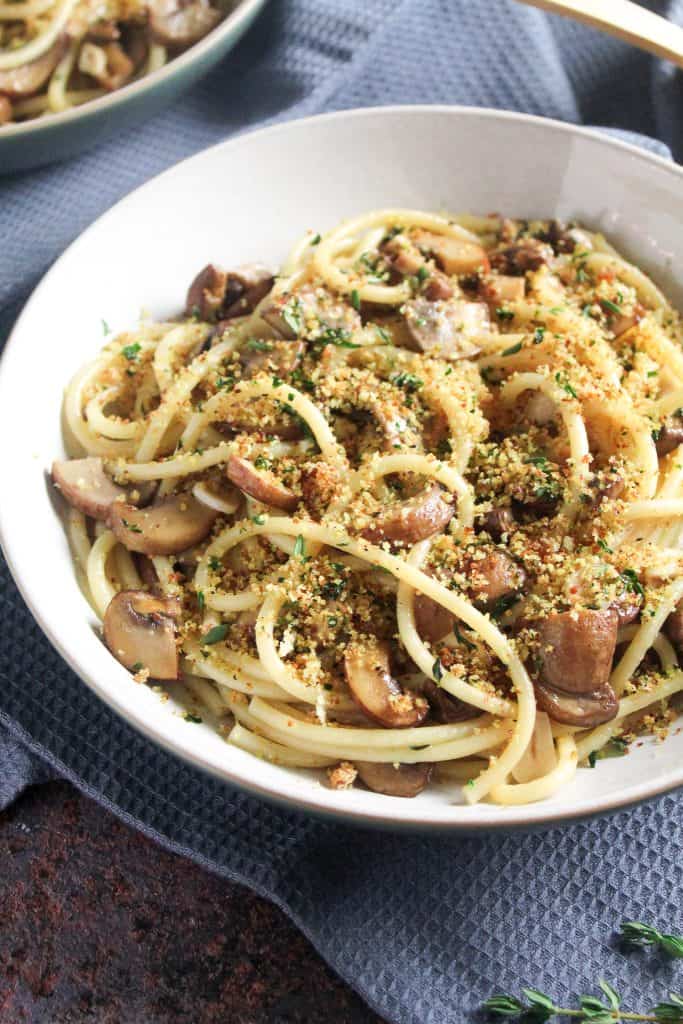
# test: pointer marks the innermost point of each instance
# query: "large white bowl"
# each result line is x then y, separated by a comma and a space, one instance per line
249, 199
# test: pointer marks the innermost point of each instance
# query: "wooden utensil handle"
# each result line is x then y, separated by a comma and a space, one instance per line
625, 20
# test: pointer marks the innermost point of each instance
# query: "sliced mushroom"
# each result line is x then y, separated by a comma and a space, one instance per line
27, 79
493, 577
140, 631
86, 486
109, 65
147, 573
103, 31
178, 23
437, 287
525, 254
206, 293
376, 691
496, 522
407, 522
540, 409
216, 292
286, 429
406, 780
673, 627
446, 329
540, 757
403, 255
584, 710
496, 291
432, 620
260, 484
274, 356
166, 528
446, 708
312, 311
627, 607
455, 256
576, 649
670, 436
562, 238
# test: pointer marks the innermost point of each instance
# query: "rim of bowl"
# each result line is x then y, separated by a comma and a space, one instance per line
234, 20
488, 817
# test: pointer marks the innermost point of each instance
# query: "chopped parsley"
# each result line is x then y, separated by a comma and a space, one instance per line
195, 719
215, 564
257, 345
298, 546
131, 526
291, 314
422, 274
631, 582
611, 306
408, 381
136, 667
316, 240
106, 329
615, 747
355, 299
200, 600
539, 334
562, 380
512, 350
437, 670
604, 546
130, 352
216, 634
504, 314
259, 520
261, 462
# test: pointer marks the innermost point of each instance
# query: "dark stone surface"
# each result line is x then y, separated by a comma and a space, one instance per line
98, 924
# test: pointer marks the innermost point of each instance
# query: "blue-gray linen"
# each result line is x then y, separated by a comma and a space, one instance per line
423, 927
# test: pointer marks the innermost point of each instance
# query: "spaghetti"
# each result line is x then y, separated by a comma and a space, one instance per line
412, 508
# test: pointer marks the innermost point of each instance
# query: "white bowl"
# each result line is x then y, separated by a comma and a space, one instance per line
250, 199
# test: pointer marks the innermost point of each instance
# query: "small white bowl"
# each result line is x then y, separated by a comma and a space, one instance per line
56, 136
251, 199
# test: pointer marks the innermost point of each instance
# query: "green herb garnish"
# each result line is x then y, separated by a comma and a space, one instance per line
216, 634
635, 933
130, 351
512, 350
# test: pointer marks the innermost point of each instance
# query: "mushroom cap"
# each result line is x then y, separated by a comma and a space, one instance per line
585, 710
260, 484
405, 780
576, 650
454, 255
140, 631
493, 576
446, 708
376, 691
166, 528
86, 486
410, 521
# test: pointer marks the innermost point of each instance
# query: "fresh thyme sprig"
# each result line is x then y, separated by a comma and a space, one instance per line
539, 1008
635, 933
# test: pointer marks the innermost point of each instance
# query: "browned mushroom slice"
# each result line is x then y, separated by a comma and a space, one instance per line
403, 255
627, 606
432, 620
260, 484
286, 430
437, 287
391, 420
525, 254
109, 65
407, 522
272, 356
496, 291
140, 631
147, 573
376, 691
446, 708
27, 79
406, 780
310, 311
446, 329
216, 292
86, 486
453, 255
673, 627
585, 710
206, 293
166, 528
496, 522
670, 436
576, 649
493, 577
179, 23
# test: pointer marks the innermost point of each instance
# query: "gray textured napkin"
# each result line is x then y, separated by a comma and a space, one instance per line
424, 928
